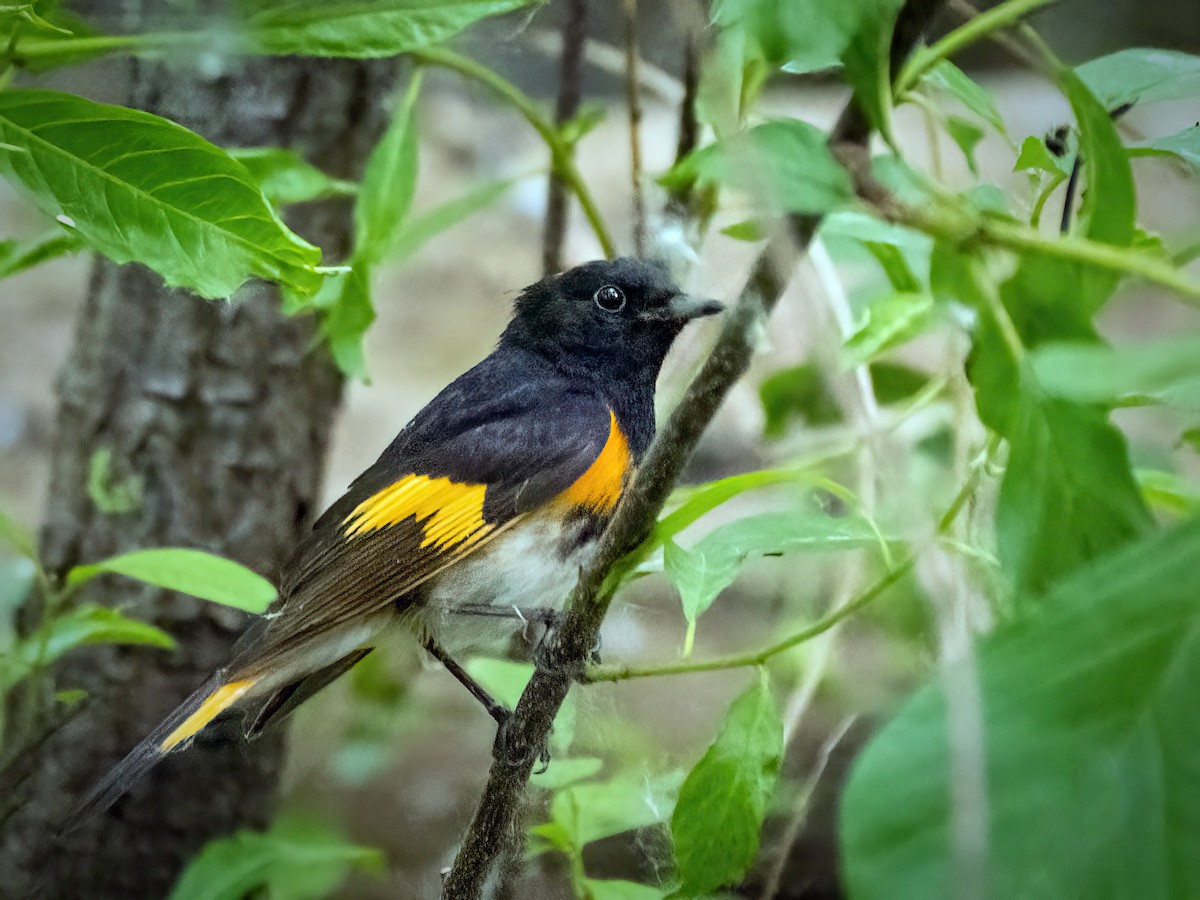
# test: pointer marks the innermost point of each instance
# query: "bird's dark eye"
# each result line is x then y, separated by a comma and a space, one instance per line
610, 298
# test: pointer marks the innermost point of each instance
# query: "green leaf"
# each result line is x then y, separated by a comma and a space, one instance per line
1142, 75
293, 861
362, 29
194, 572
1168, 492
17, 256
1035, 156
415, 231
889, 322
785, 165
389, 181
795, 393
967, 136
803, 35
1097, 373
1087, 735
724, 799
17, 536
947, 77
1068, 493
1184, 145
139, 188
84, 625
621, 890
867, 60
348, 313
589, 812
701, 573
285, 177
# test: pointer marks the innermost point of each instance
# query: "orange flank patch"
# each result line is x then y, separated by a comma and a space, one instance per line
450, 512
214, 704
599, 488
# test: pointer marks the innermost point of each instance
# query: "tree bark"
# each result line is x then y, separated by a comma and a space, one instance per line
222, 411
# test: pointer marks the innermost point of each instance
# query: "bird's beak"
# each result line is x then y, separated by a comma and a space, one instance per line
683, 308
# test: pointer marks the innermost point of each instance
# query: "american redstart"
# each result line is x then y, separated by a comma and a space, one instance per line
491, 497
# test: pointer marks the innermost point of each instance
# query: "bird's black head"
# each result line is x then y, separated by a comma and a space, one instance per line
614, 319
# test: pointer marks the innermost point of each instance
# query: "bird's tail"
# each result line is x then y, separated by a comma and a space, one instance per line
217, 694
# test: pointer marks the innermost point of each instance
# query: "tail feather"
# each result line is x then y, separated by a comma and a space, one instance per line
173, 733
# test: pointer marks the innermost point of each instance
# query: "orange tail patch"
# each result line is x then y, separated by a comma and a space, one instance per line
214, 704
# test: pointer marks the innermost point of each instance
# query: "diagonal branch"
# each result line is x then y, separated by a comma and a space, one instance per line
547, 689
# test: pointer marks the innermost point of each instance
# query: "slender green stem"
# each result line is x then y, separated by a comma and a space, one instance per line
826, 622
1105, 256
560, 150
759, 657
974, 29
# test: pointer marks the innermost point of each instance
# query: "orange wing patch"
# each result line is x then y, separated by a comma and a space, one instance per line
599, 488
214, 704
450, 512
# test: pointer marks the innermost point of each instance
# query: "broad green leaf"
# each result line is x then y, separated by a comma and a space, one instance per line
796, 393
967, 136
17, 536
589, 812
1068, 493
867, 60
1088, 736
1097, 373
347, 314
1109, 209
1035, 156
871, 230
1142, 75
389, 181
701, 573
621, 890
84, 625
801, 35
889, 322
698, 579
1184, 145
139, 188
362, 28
17, 256
293, 861
285, 177
415, 231
784, 164
724, 799
194, 572
947, 77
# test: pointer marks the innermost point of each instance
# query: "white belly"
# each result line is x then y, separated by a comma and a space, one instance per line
522, 568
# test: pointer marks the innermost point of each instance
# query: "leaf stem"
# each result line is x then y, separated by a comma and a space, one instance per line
560, 151
972, 30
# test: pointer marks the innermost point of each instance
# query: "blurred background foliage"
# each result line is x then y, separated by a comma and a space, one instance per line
895, 431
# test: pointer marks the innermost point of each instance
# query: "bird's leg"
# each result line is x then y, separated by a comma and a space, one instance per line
545, 616
496, 710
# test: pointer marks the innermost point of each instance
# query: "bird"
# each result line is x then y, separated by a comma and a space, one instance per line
494, 493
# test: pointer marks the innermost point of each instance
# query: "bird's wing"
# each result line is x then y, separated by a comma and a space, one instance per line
440, 492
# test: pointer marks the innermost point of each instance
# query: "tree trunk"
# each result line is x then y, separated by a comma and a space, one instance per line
222, 412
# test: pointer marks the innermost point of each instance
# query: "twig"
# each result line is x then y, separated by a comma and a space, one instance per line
570, 90
633, 102
560, 151
534, 715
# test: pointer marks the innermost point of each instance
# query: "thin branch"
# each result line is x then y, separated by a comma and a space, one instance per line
560, 152
570, 91
633, 103
529, 728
